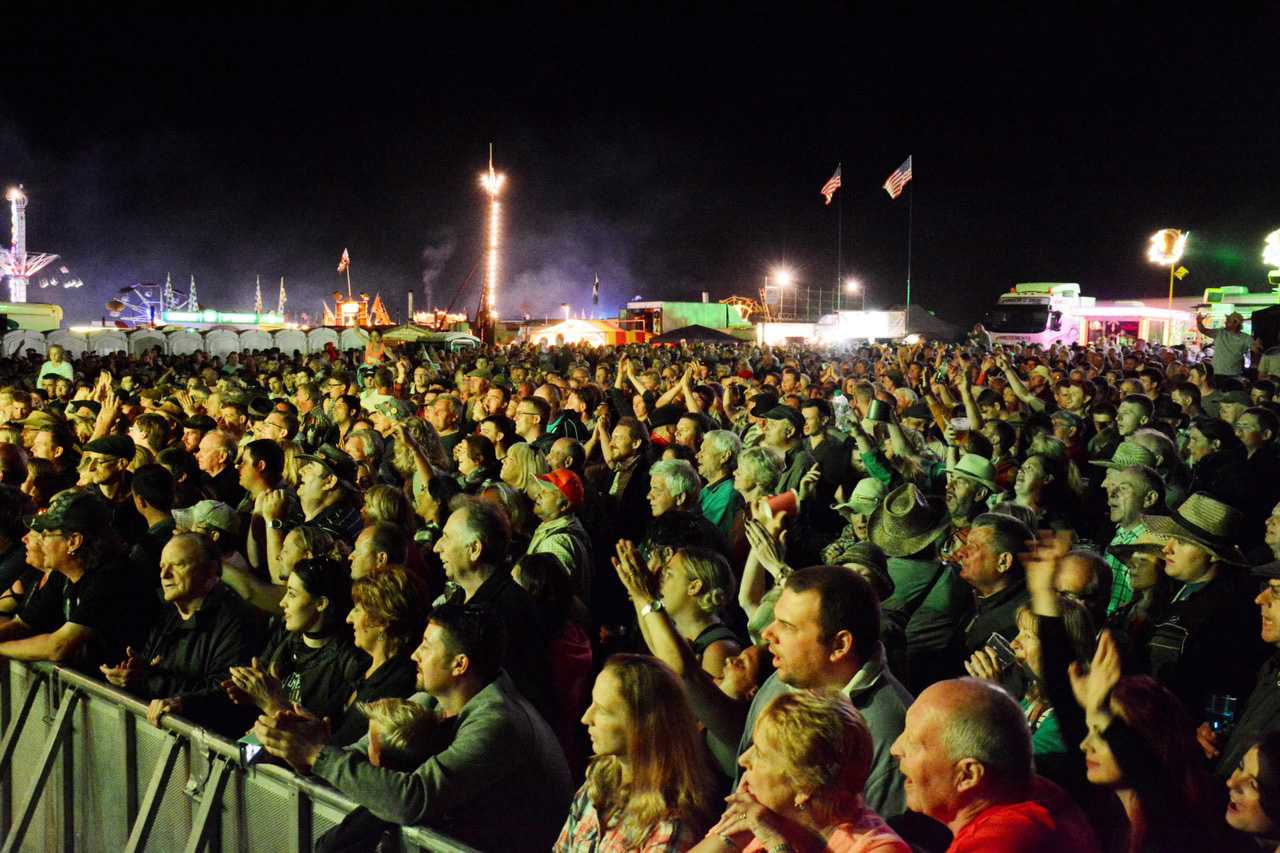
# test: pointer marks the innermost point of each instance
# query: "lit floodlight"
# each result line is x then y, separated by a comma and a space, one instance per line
1167, 246
1271, 250
13, 194
852, 285
783, 276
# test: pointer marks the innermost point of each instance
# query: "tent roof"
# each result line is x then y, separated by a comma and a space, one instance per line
694, 332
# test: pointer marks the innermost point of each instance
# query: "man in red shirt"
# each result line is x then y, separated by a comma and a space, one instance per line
965, 753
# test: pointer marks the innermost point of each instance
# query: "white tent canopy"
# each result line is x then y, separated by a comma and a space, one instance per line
185, 342
290, 340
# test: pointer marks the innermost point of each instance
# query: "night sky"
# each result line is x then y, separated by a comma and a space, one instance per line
669, 151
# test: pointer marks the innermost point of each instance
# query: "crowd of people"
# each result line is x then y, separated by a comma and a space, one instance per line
933, 596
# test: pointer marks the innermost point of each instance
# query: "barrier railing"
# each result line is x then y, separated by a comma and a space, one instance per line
90, 773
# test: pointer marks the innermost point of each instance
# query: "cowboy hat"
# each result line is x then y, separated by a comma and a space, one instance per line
906, 521
1204, 521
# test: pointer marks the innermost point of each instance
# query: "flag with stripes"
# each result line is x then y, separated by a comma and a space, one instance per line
898, 179
595, 291
829, 188
344, 261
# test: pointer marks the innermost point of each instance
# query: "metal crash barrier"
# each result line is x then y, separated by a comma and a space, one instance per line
81, 769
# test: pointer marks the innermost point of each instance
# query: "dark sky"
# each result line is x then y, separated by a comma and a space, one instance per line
670, 151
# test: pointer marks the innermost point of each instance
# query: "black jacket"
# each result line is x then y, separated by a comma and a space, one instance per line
196, 655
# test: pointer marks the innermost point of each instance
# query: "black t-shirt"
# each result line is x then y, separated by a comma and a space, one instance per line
320, 680
118, 605
397, 678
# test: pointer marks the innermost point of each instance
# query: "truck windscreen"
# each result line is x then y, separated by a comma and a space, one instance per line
1017, 319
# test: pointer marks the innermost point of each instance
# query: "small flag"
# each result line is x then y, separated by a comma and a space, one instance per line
898, 179
595, 291
280, 306
344, 262
829, 188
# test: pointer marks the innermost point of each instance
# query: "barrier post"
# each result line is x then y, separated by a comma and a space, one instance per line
61, 725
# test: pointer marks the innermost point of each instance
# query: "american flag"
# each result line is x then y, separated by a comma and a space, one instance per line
898, 179
829, 188
344, 262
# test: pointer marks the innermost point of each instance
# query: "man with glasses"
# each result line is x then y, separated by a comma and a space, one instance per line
92, 607
105, 470
531, 418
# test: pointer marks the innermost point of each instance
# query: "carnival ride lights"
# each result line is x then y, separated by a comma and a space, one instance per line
14, 261
492, 183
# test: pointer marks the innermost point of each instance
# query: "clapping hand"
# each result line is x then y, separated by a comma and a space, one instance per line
254, 685
631, 570
293, 734
130, 671
768, 548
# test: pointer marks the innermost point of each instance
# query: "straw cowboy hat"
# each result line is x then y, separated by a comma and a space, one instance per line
1204, 521
977, 468
906, 521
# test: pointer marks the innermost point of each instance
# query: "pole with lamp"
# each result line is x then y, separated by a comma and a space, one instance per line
783, 278
852, 285
1166, 248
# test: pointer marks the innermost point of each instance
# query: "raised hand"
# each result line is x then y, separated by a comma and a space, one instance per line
1093, 688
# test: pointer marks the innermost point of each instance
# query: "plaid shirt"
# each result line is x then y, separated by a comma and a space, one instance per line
582, 833
1121, 588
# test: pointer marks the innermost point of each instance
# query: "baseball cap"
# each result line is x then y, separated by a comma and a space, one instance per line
569, 484
785, 413
208, 513
1240, 398
119, 446
763, 402
336, 462
395, 408
203, 423
72, 511
866, 496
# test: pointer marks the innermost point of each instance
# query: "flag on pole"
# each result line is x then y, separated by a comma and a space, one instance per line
280, 307
829, 188
257, 296
344, 262
595, 291
898, 179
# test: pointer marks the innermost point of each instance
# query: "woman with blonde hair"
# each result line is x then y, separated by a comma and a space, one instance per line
292, 474
523, 464
802, 783
649, 786
521, 468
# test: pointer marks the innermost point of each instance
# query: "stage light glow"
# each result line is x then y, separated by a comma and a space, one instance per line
1271, 250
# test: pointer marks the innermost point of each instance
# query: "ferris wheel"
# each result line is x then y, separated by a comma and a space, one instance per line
144, 303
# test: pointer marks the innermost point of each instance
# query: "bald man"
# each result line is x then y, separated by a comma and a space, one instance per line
965, 753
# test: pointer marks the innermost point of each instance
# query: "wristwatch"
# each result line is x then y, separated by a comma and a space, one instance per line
276, 524
654, 606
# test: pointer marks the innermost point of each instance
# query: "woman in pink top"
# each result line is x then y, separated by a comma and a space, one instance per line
802, 789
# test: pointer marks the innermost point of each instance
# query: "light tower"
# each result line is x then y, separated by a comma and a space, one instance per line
492, 183
15, 262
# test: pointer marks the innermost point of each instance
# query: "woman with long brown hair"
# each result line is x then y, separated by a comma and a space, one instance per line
649, 786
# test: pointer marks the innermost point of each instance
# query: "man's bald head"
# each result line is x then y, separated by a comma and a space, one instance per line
965, 745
